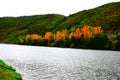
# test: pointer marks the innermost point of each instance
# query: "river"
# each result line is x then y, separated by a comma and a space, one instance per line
47, 63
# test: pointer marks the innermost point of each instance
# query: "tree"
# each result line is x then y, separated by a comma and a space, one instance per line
117, 47
86, 31
98, 42
97, 30
48, 35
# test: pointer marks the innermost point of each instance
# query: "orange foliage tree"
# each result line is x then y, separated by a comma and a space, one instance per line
64, 34
86, 31
66, 37
77, 33
49, 35
97, 30
36, 37
71, 35
58, 36
33, 37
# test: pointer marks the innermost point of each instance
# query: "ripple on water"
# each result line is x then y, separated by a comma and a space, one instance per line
45, 71
44, 63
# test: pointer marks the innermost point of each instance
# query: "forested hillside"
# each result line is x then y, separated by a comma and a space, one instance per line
107, 16
104, 19
39, 24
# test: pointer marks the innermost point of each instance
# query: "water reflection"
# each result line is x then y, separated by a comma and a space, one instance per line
43, 63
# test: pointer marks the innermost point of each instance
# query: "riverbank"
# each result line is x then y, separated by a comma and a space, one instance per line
8, 73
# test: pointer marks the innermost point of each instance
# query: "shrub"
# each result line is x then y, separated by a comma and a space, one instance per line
117, 47
99, 42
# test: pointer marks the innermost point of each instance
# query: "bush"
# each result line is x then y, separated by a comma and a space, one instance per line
117, 47
99, 42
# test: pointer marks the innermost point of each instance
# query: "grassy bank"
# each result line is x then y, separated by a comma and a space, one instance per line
8, 73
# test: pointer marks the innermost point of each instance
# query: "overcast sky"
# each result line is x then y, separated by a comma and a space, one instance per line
36, 7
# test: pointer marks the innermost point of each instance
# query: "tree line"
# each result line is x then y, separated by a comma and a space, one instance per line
87, 37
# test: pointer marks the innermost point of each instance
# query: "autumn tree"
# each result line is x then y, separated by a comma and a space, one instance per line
58, 35
49, 35
36, 37
28, 37
86, 31
64, 34
97, 30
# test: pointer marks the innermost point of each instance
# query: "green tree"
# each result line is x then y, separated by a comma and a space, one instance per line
117, 47
99, 42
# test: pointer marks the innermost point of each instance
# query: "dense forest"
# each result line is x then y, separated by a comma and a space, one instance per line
97, 28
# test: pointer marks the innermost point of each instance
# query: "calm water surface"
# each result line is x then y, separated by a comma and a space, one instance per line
44, 63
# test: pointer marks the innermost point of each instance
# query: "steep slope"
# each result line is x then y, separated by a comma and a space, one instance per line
106, 16
8, 73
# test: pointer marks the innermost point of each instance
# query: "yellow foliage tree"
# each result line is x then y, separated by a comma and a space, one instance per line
35, 37
21, 41
97, 30
28, 37
71, 35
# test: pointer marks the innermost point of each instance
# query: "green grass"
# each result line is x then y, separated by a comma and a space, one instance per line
8, 73
107, 16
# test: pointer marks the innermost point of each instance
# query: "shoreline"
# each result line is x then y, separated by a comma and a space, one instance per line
8, 73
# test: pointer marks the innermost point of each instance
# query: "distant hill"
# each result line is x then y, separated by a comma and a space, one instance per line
107, 16
39, 24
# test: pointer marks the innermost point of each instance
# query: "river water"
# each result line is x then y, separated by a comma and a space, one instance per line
47, 63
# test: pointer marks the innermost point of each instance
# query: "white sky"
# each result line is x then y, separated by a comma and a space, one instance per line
36, 7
